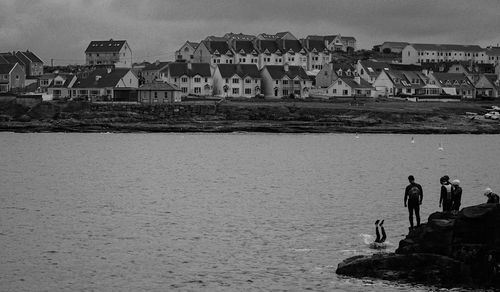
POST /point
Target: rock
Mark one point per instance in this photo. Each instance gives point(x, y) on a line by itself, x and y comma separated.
point(419, 268)
point(448, 250)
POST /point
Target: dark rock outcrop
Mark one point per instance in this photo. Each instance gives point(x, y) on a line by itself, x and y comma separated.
point(449, 250)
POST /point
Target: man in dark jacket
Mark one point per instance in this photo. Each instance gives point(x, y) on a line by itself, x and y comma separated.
point(413, 199)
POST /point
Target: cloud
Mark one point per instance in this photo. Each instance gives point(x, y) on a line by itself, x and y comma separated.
point(62, 29)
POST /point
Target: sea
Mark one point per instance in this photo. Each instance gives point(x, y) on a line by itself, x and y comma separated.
point(217, 212)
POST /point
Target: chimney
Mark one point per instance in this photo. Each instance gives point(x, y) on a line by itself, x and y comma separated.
point(357, 79)
point(285, 67)
point(190, 66)
point(97, 77)
point(238, 68)
point(109, 69)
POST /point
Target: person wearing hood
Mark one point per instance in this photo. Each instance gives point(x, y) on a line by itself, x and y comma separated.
point(492, 197)
point(456, 196)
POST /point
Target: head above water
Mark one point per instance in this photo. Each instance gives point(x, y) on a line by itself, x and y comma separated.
point(411, 178)
point(455, 182)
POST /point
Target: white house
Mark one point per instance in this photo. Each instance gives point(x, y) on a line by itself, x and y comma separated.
point(425, 53)
point(186, 52)
point(100, 83)
point(350, 86)
point(332, 72)
point(283, 81)
point(318, 54)
point(112, 52)
point(12, 77)
point(237, 80)
point(190, 78)
point(61, 85)
point(158, 93)
point(370, 70)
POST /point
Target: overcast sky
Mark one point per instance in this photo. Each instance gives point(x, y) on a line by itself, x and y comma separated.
point(62, 29)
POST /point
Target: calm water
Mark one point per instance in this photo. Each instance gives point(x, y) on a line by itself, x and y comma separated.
point(218, 212)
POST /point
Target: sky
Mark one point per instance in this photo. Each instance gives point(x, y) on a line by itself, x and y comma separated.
point(62, 29)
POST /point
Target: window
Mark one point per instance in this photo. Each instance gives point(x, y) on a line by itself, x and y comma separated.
point(175, 79)
point(197, 79)
point(206, 79)
point(345, 92)
point(285, 92)
point(296, 82)
point(248, 80)
point(285, 82)
point(227, 80)
point(184, 89)
point(165, 95)
point(248, 91)
point(277, 82)
point(236, 91)
point(156, 94)
point(184, 79)
point(236, 80)
point(197, 90)
point(94, 92)
point(340, 82)
point(334, 90)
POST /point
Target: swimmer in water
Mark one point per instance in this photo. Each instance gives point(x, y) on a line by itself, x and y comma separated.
point(384, 236)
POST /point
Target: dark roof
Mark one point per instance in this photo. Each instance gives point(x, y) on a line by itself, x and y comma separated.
point(155, 66)
point(179, 69)
point(447, 47)
point(217, 46)
point(193, 44)
point(247, 47)
point(159, 86)
point(348, 38)
point(373, 68)
point(106, 79)
point(11, 59)
point(105, 46)
point(288, 45)
point(493, 51)
point(269, 45)
point(353, 84)
point(450, 76)
point(492, 78)
point(6, 68)
point(242, 70)
point(278, 72)
point(315, 44)
point(395, 44)
point(31, 57)
point(67, 81)
point(3, 61)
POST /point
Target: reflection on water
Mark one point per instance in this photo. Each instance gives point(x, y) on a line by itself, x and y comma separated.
point(224, 212)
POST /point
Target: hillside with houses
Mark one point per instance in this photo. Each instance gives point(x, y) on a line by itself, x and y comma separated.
point(261, 69)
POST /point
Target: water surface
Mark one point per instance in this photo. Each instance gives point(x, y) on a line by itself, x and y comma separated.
point(215, 212)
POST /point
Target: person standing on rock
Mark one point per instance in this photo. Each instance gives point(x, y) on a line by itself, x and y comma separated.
point(445, 198)
point(492, 197)
point(456, 196)
point(413, 199)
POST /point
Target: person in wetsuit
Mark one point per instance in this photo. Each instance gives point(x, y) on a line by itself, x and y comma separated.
point(456, 196)
point(413, 199)
point(379, 239)
point(445, 197)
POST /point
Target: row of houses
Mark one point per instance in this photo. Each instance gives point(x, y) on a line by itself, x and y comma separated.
point(310, 53)
point(432, 53)
point(370, 78)
point(225, 80)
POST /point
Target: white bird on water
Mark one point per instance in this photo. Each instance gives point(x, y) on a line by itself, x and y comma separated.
point(440, 148)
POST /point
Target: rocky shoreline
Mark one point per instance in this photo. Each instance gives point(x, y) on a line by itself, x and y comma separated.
point(265, 117)
point(460, 250)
